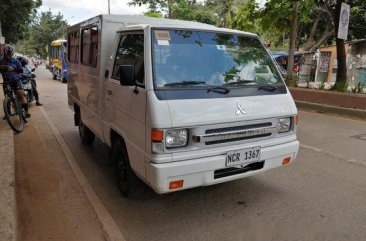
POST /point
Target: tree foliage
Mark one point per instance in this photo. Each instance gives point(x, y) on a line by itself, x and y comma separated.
point(246, 17)
point(15, 16)
point(45, 28)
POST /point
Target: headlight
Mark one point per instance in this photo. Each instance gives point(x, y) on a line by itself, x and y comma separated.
point(176, 138)
point(284, 124)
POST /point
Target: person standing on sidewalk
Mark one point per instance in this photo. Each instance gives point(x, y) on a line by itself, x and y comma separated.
point(13, 75)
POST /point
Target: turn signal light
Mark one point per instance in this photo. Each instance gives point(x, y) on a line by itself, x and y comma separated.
point(157, 135)
point(176, 184)
point(286, 160)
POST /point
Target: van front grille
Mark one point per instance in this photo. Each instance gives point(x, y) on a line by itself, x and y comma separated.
point(235, 133)
point(236, 139)
point(237, 128)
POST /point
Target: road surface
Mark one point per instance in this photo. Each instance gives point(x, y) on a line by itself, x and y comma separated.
point(322, 196)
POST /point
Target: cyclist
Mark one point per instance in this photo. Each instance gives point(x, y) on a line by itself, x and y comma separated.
point(27, 70)
point(13, 75)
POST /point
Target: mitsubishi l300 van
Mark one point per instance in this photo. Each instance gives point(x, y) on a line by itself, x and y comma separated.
point(181, 104)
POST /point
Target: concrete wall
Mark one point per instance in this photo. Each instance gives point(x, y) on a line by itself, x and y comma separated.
point(356, 62)
point(332, 63)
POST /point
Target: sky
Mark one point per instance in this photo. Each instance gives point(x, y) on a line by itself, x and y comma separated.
point(75, 11)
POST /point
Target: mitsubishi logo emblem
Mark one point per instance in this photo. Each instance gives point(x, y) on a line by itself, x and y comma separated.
point(240, 110)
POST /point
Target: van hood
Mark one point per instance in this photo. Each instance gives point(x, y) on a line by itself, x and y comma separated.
point(193, 112)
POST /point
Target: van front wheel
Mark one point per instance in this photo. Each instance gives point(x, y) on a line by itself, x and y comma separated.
point(86, 135)
point(128, 183)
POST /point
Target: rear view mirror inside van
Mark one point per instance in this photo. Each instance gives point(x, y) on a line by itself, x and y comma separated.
point(127, 75)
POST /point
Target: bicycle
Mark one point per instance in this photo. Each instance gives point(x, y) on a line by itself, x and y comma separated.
point(14, 113)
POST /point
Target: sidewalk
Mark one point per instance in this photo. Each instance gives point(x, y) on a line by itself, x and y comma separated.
point(43, 193)
point(51, 203)
point(353, 105)
point(8, 214)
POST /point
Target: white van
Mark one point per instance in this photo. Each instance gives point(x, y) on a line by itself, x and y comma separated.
point(181, 104)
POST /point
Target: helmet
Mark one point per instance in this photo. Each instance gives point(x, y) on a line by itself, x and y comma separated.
point(8, 49)
point(22, 60)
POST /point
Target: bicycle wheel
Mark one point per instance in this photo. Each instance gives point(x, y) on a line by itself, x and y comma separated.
point(13, 114)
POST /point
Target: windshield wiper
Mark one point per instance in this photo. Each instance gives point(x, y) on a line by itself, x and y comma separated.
point(218, 89)
point(186, 83)
point(240, 82)
point(267, 87)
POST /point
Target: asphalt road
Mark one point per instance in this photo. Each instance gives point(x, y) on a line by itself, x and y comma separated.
point(322, 196)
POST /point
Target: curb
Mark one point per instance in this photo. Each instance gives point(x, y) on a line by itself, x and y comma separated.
point(8, 210)
point(331, 109)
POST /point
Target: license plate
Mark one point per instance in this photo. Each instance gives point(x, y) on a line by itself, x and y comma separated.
point(243, 156)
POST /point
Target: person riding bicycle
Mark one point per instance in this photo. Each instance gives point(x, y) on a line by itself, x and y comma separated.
point(13, 75)
point(27, 70)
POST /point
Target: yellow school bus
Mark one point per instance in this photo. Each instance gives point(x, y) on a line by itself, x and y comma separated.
point(57, 58)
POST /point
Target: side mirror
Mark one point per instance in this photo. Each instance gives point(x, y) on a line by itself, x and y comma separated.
point(127, 75)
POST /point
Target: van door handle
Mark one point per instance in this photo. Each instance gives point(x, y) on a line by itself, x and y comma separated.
point(109, 92)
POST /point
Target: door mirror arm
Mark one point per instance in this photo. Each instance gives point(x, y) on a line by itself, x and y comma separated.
point(136, 91)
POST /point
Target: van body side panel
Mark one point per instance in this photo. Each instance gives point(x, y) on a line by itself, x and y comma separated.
point(109, 42)
point(87, 83)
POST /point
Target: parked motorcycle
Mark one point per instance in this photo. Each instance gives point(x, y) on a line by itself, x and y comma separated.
point(28, 81)
point(27, 86)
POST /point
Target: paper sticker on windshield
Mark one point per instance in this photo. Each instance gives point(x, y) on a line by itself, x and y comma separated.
point(163, 42)
point(162, 35)
point(221, 47)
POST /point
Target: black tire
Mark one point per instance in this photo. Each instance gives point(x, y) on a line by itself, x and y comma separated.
point(86, 135)
point(54, 77)
point(128, 183)
point(64, 80)
point(13, 114)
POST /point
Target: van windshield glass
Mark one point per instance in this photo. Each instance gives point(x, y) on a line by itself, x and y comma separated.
point(210, 59)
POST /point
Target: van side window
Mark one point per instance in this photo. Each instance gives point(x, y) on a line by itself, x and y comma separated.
point(130, 52)
point(89, 46)
point(73, 49)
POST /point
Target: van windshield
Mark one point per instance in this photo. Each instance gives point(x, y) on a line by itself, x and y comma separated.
point(186, 59)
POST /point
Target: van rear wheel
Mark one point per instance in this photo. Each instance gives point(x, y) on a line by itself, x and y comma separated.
point(86, 135)
point(127, 181)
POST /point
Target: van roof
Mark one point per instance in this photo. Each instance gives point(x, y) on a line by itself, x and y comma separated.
point(140, 19)
point(133, 20)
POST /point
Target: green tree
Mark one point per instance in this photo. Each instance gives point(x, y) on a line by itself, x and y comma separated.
point(246, 17)
point(179, 9)
point(45, 28)
point(357, 25)
point(153, 14)
point(156, 5)
point(15, 16)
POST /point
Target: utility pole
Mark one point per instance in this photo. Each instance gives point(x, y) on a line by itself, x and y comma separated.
point(109, 6)
point(291, 51)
